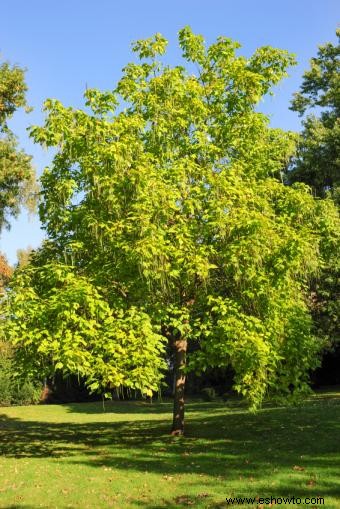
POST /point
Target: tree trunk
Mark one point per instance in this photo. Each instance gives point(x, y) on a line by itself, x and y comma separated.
point(180, 348)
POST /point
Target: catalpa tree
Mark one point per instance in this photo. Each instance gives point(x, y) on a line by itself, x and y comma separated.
point(168, 224)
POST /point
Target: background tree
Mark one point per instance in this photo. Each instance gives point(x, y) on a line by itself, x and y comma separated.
point(317, 163)
point(17, 187)
point(17, 178)
point(5, 273)
point(24, 255)
point(168, 222)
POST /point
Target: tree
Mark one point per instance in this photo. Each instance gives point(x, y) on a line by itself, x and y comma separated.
point(17, 187)
point(5, 273)
point(168, 223)
point(317, 163)
point(17, 179)
point(23, 256)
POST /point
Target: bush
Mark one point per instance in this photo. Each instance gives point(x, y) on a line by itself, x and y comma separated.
point(15, 391)
point(208, 394)
point(230, 395)
point(5, 382)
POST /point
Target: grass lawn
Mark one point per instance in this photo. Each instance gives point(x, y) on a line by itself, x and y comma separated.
point(78, 456)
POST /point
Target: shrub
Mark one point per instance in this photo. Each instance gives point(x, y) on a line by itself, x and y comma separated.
point(5, 382)
point(15, 391)
point(208, 394)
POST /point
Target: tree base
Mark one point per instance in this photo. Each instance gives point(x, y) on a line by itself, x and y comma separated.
point(177, 432)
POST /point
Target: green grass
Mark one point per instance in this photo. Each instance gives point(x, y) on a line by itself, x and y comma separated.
point(77, 456)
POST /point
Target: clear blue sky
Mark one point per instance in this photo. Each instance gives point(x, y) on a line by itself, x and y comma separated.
point(68, 45)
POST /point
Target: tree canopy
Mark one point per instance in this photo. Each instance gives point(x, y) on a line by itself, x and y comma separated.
point(17, 178)
point(168, 223)
point(318, 157)
point(317, 163)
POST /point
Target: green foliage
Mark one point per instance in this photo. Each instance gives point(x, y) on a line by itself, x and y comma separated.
point(317, 164)
point(70, 327)
point(17, 179)
point(17, 187)
point(5, 381)
point(12, 91)
point(15, 390)
point(317, 160)
point(168, 215)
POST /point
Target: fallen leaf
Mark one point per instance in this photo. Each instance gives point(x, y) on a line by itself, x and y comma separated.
point(311, 482)
point(184, 500)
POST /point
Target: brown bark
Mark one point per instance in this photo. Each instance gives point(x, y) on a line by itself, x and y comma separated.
point(180, 349)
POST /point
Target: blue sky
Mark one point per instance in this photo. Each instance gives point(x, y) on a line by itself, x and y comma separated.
point(68, 45)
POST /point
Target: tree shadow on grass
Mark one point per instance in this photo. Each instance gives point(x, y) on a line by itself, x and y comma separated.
point(219, 445)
